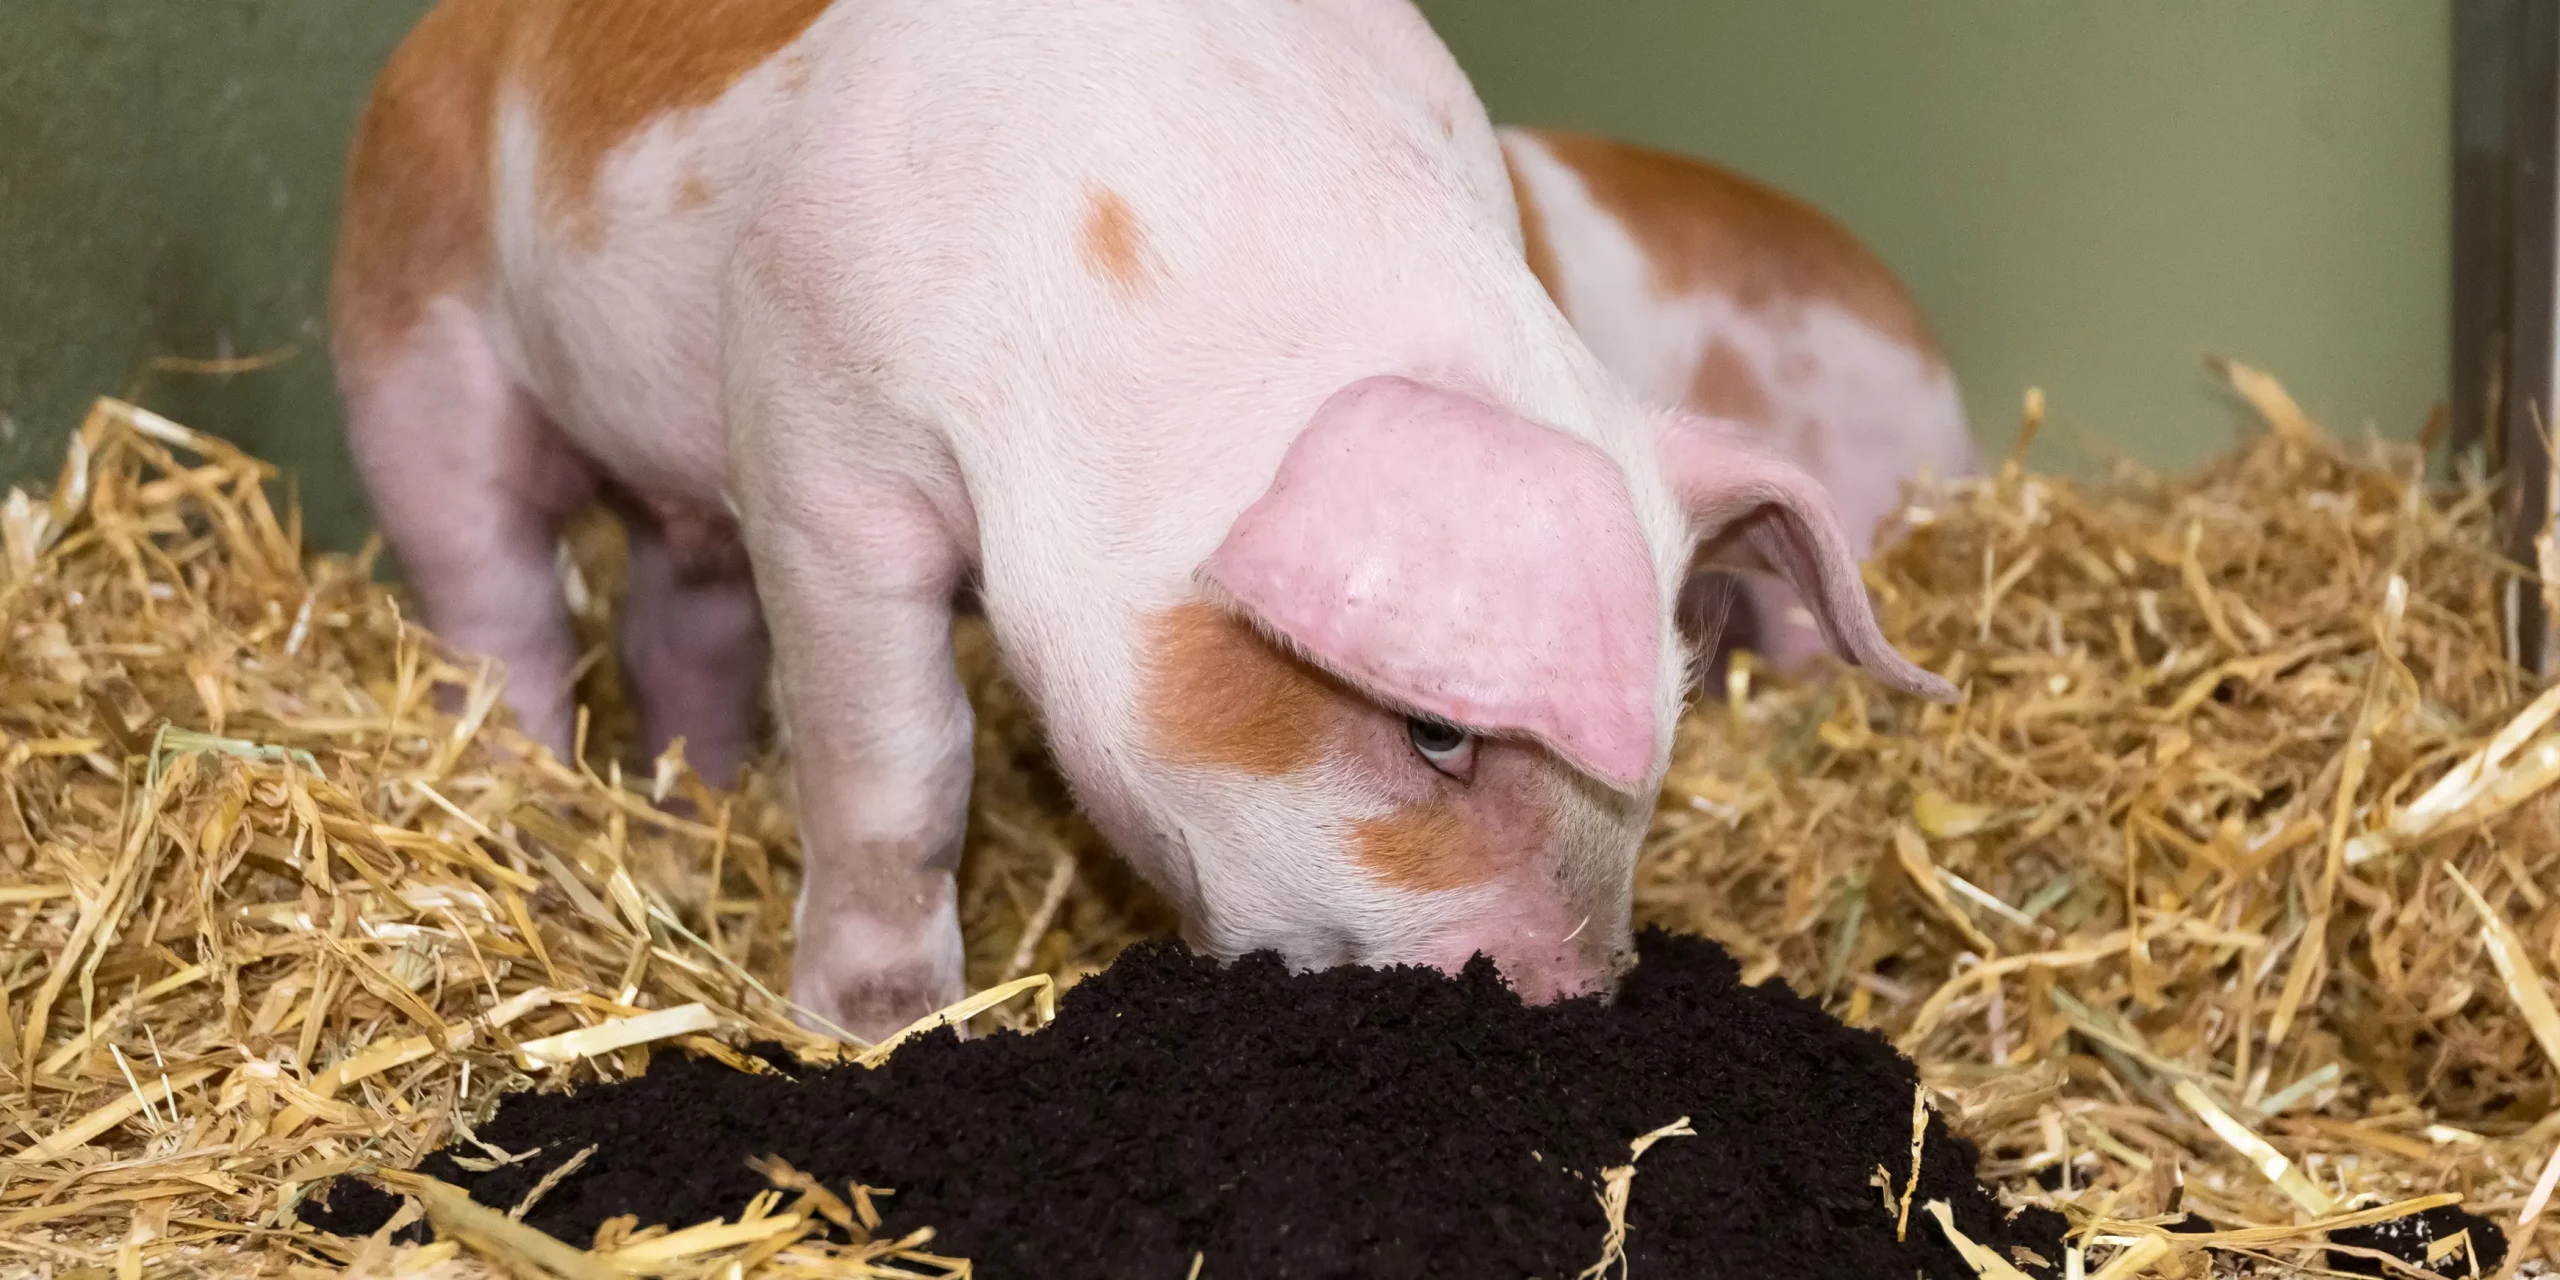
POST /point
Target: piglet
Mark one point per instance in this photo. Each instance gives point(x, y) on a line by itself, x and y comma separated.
point(1702, 288)
point(1195, 335)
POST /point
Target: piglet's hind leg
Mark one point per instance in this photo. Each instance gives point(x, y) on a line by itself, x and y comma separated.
point(693, 650)
point(469, 483)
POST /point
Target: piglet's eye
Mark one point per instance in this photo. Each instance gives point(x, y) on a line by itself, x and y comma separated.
point(1446, 747)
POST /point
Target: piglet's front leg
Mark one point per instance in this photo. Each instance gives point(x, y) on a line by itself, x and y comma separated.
point(857, 587)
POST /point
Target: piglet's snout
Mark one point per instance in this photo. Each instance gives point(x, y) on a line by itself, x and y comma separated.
point(1541, 964)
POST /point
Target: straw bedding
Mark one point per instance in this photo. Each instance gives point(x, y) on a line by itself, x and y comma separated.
point(2223, 899)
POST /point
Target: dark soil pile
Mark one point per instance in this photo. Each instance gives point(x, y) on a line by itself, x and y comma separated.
point(1355, 1122)
point(2409, 1238)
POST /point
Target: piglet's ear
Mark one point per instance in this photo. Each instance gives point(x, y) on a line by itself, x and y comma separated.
point(1453, 559)
point(1756, 512)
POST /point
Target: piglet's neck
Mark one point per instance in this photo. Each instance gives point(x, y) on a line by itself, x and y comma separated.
point(1074, 649)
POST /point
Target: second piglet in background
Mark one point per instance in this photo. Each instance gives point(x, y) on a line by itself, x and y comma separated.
point(1704, 289)
point(1197, 332)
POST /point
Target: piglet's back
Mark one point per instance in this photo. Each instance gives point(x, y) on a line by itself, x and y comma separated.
point(584, 75)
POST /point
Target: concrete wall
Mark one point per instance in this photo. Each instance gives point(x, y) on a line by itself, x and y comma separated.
point(2087, 194)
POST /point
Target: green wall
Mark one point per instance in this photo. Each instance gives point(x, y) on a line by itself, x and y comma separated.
point(168, 187)
point(2090, 195)
point(2087, 194)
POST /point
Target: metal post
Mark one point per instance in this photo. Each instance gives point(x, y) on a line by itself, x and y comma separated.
point(2484, 41)
point(2506, 162)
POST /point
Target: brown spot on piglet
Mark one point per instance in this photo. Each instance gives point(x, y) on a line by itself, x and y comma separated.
point(1425, 848)
point(1217, 693)
point(1114, 246)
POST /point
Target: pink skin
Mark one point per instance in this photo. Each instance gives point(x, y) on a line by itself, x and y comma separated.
point(1050, 296)
point(1562, 966)
point(1846, 384)
point(694, 653)
point(1452, 558)
point(1468, 562)
point(1766, 515)
point(1552, 927)
point(469, 483)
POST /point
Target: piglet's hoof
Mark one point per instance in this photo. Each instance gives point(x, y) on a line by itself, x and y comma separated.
point(872, 996)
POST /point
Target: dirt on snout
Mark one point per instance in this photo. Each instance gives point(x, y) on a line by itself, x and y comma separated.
point(1347, 1123)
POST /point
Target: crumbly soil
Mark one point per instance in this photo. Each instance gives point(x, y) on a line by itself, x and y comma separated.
point(1351, 1122)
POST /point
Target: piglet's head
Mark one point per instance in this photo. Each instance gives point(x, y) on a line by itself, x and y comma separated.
point(1420, 702)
